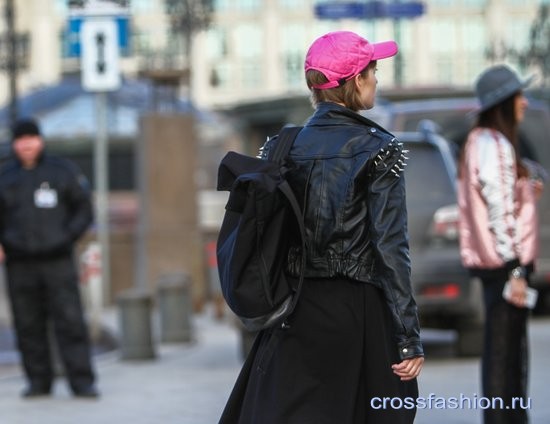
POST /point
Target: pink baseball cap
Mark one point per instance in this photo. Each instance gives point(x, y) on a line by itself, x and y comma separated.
point(341, 55)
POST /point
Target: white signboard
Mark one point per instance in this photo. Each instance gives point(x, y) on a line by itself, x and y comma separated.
point(99, 57)
point(99, 8)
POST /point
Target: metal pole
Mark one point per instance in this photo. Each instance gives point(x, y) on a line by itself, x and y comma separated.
point(398, 60)
point(11, 60)
point(101, 171)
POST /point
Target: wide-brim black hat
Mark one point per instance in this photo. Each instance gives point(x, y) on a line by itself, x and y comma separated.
point(496, 84)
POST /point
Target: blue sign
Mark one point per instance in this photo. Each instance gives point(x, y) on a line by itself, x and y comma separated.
point(408, 9)
point(72, 35)
point(369, 10)
point(339, 10)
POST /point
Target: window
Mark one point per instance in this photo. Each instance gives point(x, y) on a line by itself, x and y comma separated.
point(141, 6)
point(221, 5)
point(221, 75)
point(61, 6)
point(293, 47)
point(248, 51)
point(475, 3)
point(251, 73)
point(517, 35)
point(217, 43)
point(293, 4)
point(247, 5)
point(248, 40)
point(443, 46)
point(402, 73)
point(237, 5)
point(440, 3)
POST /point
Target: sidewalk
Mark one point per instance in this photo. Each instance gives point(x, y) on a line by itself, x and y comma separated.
point(189, 383)
point(186, 383)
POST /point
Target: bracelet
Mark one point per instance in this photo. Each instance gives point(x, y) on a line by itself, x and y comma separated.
point(517, 273)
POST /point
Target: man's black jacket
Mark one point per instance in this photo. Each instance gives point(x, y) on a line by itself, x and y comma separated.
point(43, 210)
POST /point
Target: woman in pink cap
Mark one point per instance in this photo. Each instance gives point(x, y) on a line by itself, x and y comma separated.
point(351, 351)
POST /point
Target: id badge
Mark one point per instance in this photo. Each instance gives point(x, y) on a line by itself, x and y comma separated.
point(45, 197)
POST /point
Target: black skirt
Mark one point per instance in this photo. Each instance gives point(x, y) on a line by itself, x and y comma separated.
point(333, 365)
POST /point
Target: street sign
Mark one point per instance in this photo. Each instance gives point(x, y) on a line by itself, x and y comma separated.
point(83, 10)
point(71, 35)
point(99, 59)
point(409, 9)
point(340, 10)
point(99, 7)
point(369, 10)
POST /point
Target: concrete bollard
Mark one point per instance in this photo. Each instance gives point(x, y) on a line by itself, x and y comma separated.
point(135, 324)
point(175, 307)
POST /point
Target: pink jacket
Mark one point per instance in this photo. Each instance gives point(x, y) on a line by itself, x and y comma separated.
point(498, 217)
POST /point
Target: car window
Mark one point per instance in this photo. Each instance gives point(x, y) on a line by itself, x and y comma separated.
point(534, 136)
point(454, 125)
point(427, 180)
point(453, 119)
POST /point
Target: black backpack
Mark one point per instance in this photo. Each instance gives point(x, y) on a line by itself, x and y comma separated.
point(253, 242)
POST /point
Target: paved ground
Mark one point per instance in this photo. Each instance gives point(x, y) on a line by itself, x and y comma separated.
point(186, 383)
point(189, 383)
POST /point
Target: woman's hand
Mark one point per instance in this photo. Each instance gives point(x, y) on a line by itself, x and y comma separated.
point(408, 369)
point(518, 292)
point(538, 188)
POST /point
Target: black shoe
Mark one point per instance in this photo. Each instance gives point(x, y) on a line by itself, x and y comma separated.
point(35, 391)
point(86, 392)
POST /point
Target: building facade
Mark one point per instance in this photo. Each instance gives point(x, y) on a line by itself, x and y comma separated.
point(255, 48)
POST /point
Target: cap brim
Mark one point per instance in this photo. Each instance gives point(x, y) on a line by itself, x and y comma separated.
point(384, 49)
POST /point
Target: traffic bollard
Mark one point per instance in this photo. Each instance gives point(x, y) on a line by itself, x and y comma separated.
point(175, 307)
point(135, 324)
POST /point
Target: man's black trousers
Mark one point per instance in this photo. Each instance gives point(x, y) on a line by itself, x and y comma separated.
point(45, 292)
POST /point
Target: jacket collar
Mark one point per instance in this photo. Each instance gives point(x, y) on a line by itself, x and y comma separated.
point(328, 113)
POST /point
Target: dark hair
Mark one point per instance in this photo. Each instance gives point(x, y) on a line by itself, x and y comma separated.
point(345, 94)
point(502, 117)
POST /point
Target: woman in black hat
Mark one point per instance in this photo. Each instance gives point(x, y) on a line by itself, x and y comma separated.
point(498, 237)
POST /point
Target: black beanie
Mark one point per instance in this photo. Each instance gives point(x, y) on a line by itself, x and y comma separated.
point(25, 127)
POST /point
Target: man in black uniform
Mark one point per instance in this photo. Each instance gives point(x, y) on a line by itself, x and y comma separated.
point(45, 207)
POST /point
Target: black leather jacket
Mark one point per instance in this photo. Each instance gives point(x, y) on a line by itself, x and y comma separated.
point(349, 179)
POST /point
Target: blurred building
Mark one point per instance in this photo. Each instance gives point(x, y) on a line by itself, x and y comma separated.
point(255, 48)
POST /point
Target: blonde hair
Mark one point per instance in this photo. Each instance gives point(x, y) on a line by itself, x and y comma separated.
point(346, 94)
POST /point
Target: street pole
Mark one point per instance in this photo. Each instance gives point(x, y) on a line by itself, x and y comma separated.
point(11, 61)
point(101, 172)
point(398, 60)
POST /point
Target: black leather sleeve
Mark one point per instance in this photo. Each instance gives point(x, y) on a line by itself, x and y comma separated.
point(388, 213)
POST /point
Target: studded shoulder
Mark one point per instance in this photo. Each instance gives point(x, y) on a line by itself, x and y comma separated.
point(392, 156)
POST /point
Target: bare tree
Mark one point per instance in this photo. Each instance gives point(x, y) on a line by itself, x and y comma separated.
point(187, 17)
point(536, 54)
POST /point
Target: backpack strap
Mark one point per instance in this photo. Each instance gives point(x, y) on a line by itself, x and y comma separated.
point(287, 191)
point(283, 144)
